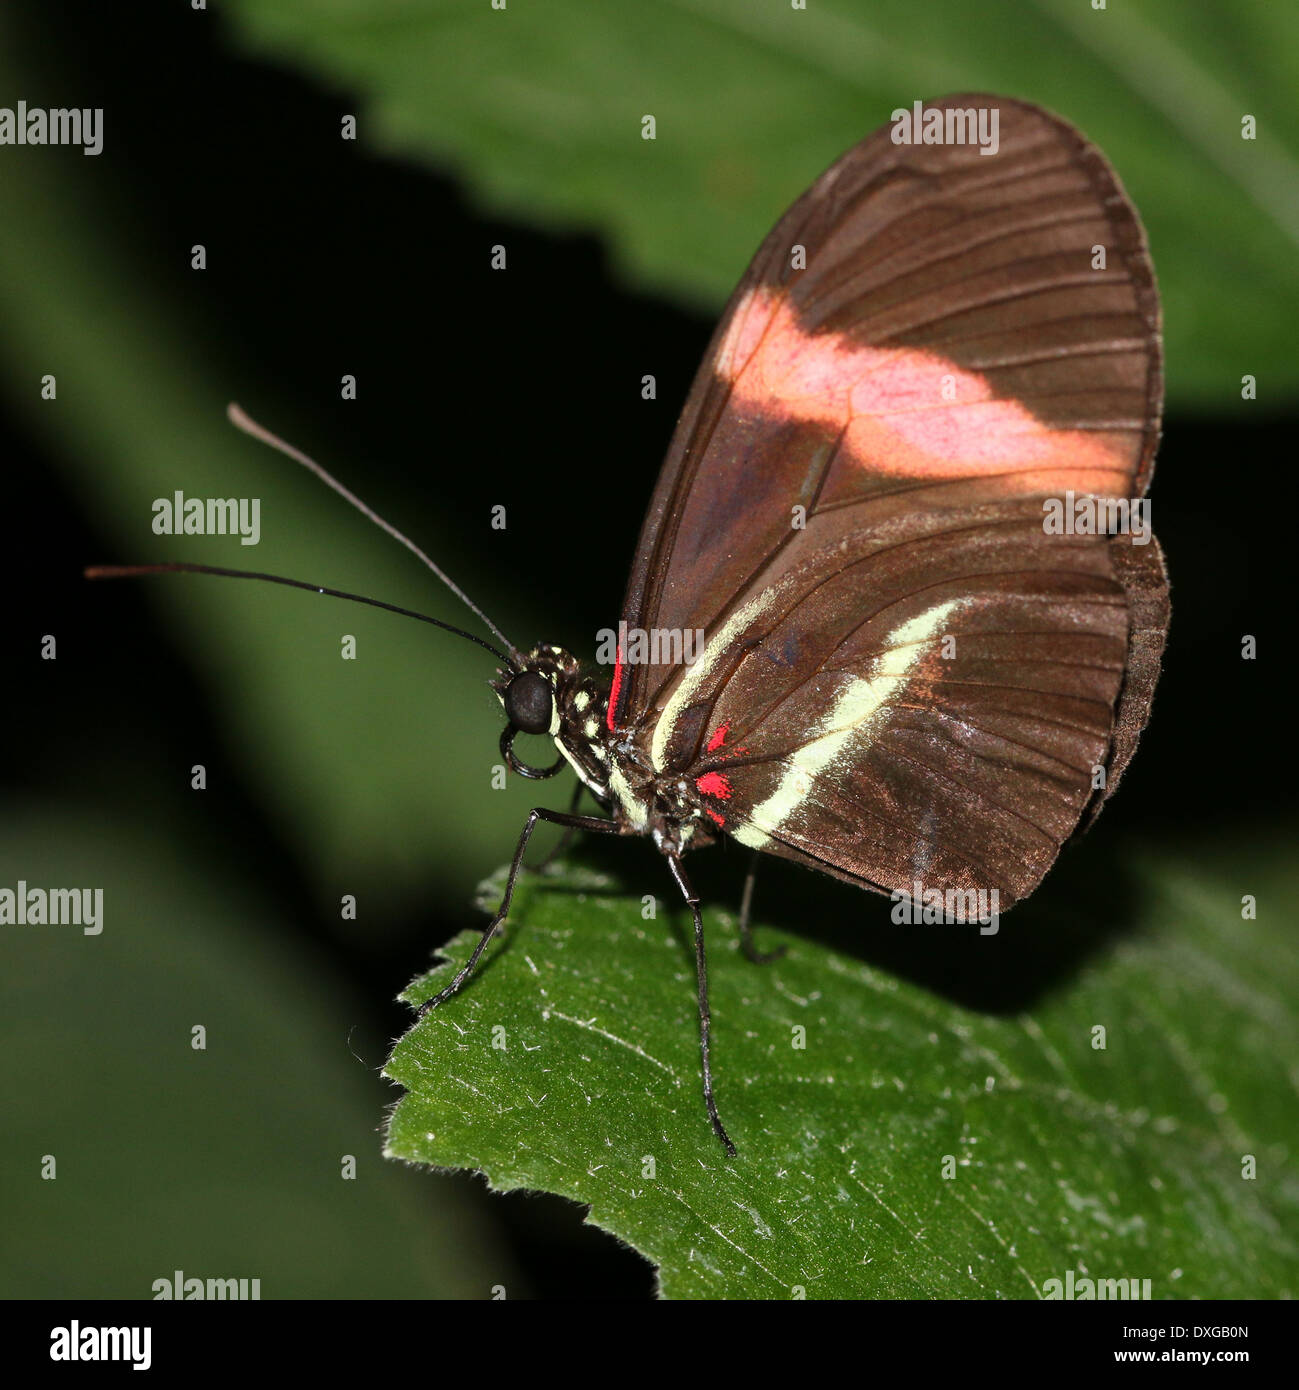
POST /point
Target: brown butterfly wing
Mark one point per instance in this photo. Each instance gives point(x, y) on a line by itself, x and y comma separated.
point(851, 511)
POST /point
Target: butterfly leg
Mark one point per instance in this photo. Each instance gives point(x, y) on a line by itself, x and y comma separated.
point(566, 838)
point(570, 821)
point(746, 931)
point(705, 1020)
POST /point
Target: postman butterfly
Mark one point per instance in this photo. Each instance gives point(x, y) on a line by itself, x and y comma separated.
point(904, 676)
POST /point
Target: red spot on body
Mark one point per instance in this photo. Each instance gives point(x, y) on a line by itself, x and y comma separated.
point(905, 412)
point(715, 784)
point(616, 690)
point(721, 820)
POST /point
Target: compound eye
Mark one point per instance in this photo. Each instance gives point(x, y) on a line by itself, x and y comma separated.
point(529, 703)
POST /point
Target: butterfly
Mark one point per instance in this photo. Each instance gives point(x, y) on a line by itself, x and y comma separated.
point(884, 618)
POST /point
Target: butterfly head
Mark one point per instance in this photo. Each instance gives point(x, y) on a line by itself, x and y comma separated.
point(532, 696)
point(529, 701)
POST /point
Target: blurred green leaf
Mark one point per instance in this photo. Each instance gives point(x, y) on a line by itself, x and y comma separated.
point(340, 752)
point(224, 1162)
point(570, 1065)
point(538, 108)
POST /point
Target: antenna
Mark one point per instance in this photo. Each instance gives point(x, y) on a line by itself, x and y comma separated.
point(129, 571)
point(250, 426)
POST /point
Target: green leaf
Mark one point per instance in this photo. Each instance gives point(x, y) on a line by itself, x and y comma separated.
point(571, 1062)
point(538, 108)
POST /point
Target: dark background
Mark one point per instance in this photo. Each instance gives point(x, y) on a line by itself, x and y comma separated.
point(481, 388)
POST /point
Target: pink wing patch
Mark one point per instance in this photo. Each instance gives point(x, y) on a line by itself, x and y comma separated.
point(905, 412)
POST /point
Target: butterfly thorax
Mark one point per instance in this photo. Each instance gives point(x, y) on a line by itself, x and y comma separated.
point(610, 763)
